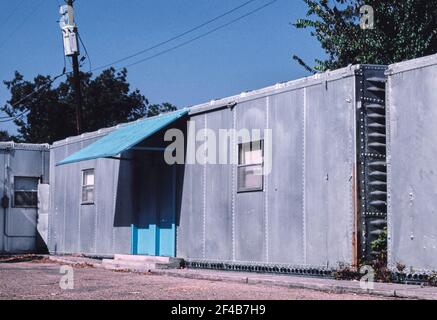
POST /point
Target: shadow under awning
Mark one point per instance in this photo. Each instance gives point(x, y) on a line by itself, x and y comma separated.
point(124, 138)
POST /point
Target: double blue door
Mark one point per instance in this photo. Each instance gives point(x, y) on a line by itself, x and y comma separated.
point(154, 234)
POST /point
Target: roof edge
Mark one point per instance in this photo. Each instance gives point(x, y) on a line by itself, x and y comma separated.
point(413, 64)
point(281, 88)
point(24, 146)
point(103, 132)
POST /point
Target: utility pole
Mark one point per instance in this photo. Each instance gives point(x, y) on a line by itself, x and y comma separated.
point(71, 49)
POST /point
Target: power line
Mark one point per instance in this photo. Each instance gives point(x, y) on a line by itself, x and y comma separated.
point(12, 13)
point(175, 37)
point(147, 58)
point(86, 51)
point(16, 117)
point(38, 6)
point(200, 36)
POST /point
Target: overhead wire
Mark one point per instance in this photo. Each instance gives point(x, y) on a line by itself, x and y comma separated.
point(13, 118)
point(152, 56)
point(11, 34)
point(86, 51)
point(14, 10)
point(155, 46)
point(199, 36)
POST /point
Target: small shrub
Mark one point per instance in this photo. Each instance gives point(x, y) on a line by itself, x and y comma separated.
point(346, 273)
point(432, 279)
point(400, 267)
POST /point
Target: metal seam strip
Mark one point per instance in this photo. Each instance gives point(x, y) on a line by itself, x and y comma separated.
point(56, 217)
point(233, 191)
point(50, 209)
point(204, 189)
point(177, 228)
point(65, 207)
point(390, 262)
point(80, 211)
point(96, 221)
point(266, 193)
point(114, 199)
point(352, 152)
point(304, 245)
point(363, 160)
point(7, 182)
point(42, 165)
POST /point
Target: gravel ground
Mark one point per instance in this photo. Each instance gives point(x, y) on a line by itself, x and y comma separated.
point(40, 280)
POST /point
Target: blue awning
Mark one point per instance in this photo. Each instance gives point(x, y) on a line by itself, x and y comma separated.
point(124, 138)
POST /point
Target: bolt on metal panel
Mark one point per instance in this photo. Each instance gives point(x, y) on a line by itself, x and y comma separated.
point(329, 164)
point(190, 230)
point(285, 200)
point(250, 228)
point(412, 168)
point(218, 209)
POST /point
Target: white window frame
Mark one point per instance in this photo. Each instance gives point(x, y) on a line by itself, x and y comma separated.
point(244, 165)
point(88, 187)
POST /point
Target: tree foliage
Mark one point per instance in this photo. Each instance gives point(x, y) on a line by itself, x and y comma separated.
point(49, 114)
point(4, 136)
point(404, 29)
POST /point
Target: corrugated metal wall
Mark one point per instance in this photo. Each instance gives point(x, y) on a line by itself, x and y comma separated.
point(20, 160)
point(412, 150)
point(103, 228)
point(305, 215)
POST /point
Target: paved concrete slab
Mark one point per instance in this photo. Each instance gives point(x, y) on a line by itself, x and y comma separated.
point(324, 285)
point(41, 280)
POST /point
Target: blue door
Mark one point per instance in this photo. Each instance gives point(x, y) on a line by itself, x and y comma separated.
point(155, 231)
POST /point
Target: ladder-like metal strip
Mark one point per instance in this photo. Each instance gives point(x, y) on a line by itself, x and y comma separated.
point(372, 157)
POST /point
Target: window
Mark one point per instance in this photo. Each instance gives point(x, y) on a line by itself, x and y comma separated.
point(88, 186)
point(251, 166)
point(25, 192)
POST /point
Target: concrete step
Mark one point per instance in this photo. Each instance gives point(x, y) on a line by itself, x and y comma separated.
point(130, 266)
point(149, 259)
point(141, 263)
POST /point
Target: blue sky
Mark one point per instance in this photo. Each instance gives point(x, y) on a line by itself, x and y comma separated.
point(252, 53)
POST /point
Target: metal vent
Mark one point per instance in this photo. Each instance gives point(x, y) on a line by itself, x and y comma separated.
point(372, 157)
point(260, 268)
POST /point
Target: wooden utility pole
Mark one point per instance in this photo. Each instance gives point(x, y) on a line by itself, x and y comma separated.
point(76, 72)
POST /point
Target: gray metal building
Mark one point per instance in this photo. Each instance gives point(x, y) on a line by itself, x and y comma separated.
point(24, 174)
point(412, 164)
point(335, 179)
point(320, 207)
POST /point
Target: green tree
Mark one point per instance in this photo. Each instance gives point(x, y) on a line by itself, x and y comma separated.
point(404, 29)
point(44, 114)
point(4, 136)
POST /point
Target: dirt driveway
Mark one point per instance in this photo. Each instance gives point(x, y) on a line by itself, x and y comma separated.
point(41, 280)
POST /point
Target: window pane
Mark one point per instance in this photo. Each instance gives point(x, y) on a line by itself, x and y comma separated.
point(250, 178)
point(88, 178)
point(256, 157)
point(25, 199)
point(88, 194)
point(250, 153)
point(25, 184)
